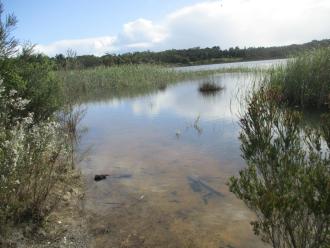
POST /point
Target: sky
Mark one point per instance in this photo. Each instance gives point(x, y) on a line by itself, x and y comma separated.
point(117, 26)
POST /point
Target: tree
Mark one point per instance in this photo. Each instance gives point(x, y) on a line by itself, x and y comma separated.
point(8, 44)
point(287, 178)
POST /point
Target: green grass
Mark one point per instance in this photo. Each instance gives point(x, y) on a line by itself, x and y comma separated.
point(305, 80)
point(127, 80)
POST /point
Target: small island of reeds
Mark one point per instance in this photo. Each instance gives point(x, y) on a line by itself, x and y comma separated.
point(210, 87)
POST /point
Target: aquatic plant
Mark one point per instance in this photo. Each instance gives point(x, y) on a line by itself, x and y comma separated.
point(126, 80)
point(122, 80)
point(207, 87)
point(286, 181)
point(305, 80)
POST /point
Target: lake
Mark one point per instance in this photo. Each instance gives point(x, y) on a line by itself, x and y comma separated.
point(169, 155)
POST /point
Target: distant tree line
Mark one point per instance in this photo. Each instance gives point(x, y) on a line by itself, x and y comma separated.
point(189, 56)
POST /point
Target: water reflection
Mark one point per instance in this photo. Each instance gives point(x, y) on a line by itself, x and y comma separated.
point(180, 147)
point(185, 101)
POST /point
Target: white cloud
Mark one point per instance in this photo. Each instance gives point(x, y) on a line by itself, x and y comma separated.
point(142, 33)
point(97, 46)
point(225, 23)
point(249, 23)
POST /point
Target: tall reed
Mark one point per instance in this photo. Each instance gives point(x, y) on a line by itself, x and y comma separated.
point(305, 80)
point(127, 80)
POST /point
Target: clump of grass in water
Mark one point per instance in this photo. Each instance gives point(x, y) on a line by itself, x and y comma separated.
point(305, 80)
point(207, 87)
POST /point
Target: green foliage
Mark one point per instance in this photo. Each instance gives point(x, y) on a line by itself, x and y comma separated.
point(36, 147)
point(287, 178)
point(33, 77)
point(30, 74)
point(41, 86)
point(305, 81)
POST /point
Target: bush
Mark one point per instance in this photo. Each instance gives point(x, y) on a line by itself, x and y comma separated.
point(28, 73)
point(35, 162)
point(32, 76)
point(305, 80)
point(287, 179)
point(36, 142)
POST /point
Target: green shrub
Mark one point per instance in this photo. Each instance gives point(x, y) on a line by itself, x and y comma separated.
point(287, 178)
point(32, 76)
point(28, 73)
point(36, 142)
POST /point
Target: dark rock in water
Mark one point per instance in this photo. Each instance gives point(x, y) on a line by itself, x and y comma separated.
point(100, 177)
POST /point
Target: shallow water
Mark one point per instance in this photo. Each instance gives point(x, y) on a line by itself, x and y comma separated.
point(179, 147)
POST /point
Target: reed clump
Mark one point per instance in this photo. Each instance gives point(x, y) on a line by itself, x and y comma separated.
point(121, 81)
point(127, 80)
point(305, 80)
point(208, 87)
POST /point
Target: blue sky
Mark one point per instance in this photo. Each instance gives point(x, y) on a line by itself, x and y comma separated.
point(45, 21)
point(99, 26)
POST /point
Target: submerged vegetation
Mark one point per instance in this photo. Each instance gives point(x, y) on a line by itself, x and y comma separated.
point(286, 181)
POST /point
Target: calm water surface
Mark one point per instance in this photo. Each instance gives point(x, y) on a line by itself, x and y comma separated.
point(246, 64)
point(178, 148)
